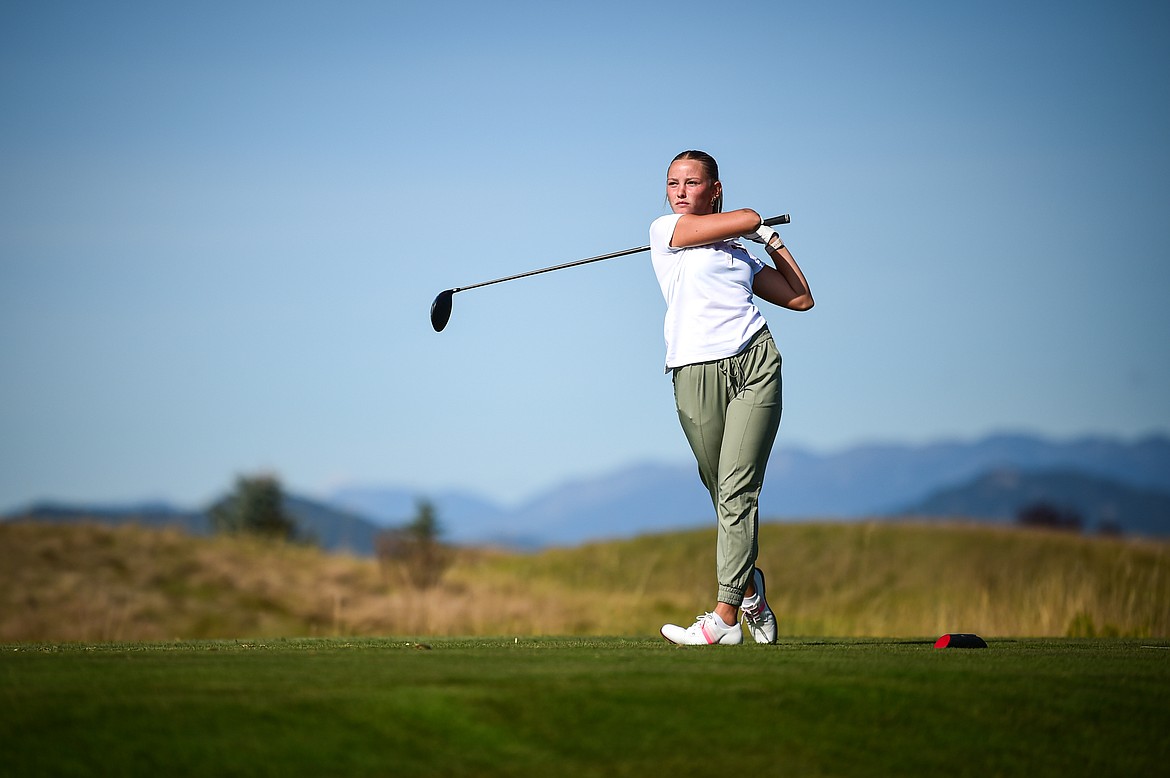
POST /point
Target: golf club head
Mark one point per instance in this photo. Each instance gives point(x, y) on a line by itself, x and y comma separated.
point(441, 310)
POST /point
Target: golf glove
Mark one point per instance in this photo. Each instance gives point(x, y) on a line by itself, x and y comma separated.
point(764, 234)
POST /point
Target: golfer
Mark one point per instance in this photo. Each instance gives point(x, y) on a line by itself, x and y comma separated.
point(726, 373)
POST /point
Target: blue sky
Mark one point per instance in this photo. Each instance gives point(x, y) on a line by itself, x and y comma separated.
point(222, 226)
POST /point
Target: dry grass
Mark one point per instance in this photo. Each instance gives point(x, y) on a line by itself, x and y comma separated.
point(906, 579)
point(97, 583)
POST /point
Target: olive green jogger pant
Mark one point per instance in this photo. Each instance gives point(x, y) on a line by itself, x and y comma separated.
point(730, 412)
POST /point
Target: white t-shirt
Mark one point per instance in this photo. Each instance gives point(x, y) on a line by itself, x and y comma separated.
point(710, 312)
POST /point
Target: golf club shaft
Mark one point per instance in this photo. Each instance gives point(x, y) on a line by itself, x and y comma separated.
point(783, 219)
point(614, 255)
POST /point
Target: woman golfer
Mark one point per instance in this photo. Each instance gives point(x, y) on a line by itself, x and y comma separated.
point(726, 370)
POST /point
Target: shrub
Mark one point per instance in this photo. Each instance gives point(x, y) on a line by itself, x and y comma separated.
point(1047, 516)
point(257, 507)
point(413, 553)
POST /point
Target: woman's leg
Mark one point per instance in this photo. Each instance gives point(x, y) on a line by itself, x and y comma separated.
point(751, 422)
point(730, 412)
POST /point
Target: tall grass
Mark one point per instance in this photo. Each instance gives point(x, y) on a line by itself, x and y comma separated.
point(97, 583)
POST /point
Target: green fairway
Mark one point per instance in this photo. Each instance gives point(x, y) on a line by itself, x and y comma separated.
point(585, 706)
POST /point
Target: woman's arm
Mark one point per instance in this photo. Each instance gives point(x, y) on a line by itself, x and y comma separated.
point(785, 286)
point(698, 230)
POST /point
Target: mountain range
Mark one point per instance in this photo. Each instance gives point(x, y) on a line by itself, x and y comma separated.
point(861, 481)
point(1106, 481)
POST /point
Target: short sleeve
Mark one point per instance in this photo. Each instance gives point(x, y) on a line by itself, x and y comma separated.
point(662, 230)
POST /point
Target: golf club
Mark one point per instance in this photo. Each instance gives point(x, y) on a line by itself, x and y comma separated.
point(441, 307)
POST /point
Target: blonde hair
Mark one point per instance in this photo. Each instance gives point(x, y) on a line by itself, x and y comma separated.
point(710, 167)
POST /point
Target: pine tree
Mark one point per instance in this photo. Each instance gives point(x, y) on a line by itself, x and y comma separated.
point(256, 506)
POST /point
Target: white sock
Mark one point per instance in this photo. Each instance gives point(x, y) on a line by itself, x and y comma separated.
point(750, 602)
point(719, 622)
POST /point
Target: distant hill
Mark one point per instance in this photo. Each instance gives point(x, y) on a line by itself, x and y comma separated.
point(881, 479)
point(334, 529)
point(1104, 477)
point(477, 517)
point(862, 481)
point(153, 515)
point(1000, 495)
point(329, 527)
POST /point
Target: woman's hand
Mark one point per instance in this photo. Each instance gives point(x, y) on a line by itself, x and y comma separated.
point(766, 235)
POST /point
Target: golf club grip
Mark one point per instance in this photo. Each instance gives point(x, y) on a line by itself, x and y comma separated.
point(782, 219)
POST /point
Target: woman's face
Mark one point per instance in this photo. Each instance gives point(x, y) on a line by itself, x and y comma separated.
point(688, 189)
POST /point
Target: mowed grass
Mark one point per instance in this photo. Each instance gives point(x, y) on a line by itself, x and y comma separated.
point(585, 707)
point(113, 662)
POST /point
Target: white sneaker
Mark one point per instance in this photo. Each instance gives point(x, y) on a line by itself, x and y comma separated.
point(708, 629)
point(760, 620)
